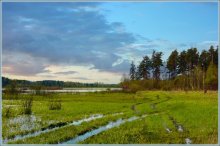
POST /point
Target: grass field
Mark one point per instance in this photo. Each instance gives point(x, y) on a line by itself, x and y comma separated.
point(160, 117)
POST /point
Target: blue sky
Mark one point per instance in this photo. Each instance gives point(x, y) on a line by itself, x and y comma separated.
point(89, 42)
point(173, 21)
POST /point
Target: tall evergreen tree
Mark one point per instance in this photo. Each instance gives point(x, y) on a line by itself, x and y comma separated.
point(211, 54)
point(172, 64)
point(204, 60)
point(192, 58)
point(144, 68)
point(132, 71)
point(182, 62)
point(215, 60)
point(156, 64)
point(137, 74)
point(192, 62)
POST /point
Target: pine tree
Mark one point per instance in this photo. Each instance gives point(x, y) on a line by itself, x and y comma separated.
point(138, 73)
point(144, 68)
point(215, 58)
point(204, 62)
point(192, 58)
point(192, 61)
point(156, 64)
point(132, 71)
point(182, 62)
point(172, 64)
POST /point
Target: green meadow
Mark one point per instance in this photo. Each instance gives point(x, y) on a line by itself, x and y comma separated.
point(172, 117)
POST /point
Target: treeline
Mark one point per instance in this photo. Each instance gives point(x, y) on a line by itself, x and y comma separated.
point(51, 84)
point(186, 70)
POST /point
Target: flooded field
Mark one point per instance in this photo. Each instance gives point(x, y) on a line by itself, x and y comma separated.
point(123, 118)
point(99, 130)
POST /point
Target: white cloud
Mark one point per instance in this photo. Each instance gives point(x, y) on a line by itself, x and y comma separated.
point(117, 62)
point(25, 19)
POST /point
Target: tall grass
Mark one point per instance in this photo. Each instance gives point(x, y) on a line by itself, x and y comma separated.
point(55, 105)
point(27, 105)
point(195, 111)
point(7, 112)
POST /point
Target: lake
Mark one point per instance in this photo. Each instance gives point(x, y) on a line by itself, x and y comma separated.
point(76, 90)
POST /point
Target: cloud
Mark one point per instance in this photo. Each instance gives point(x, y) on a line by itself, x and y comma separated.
point(22, 64)
point(66, 72)
point(62, 36)
point(81, 78)
point(37, 36)
point(205, 45)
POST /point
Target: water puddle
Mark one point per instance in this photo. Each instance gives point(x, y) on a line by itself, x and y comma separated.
point(168, 130)
point(99, 130)
point(23, 119)
point(188, 141)
point(23, 123)
point(50, 128)
point(180, 128)
point(93, 117)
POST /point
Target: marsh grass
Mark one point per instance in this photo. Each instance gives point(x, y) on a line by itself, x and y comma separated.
point(195, 111)
point(27, 105)
point(7, 113)
point(54, 103)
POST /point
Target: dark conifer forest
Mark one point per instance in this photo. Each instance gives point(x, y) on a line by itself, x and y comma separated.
point(185, 70)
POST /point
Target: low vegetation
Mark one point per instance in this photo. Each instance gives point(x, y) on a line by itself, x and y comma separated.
point(54, 104)
point(7, 112)
point(196, 112)
point(27, 105)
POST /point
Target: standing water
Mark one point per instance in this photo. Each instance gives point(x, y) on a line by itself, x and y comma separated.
point(75, 90)
point(18, 137)
point(99, 130)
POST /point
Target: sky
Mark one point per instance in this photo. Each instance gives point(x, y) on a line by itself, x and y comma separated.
point(96, 42)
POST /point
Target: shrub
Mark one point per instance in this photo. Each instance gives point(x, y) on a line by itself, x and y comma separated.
point(27, 105)
point(54, 105)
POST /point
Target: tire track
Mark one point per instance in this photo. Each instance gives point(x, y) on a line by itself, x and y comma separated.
point(53, 127)
point(180, 128)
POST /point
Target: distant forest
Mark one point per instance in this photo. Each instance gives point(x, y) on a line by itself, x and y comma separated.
point(186, 70)
point(51, 84)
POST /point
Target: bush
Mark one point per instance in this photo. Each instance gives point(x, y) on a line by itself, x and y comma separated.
point(27, 105)
point(54, 105)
